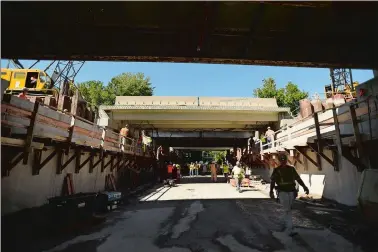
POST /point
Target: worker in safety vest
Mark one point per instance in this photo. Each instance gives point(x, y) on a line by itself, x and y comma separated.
point(191, 170)
point(238, 173)
point(226, 171)
point(196, 168)
point(285, 176)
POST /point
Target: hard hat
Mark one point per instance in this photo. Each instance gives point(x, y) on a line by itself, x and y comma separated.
point(237, 163)
point(268, 127)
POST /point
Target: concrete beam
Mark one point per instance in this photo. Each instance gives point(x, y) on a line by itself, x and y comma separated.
point(204, 134)
point(194, 116)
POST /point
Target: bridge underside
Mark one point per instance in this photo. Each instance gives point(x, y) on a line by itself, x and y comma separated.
point(325, 34)
point(201, 142)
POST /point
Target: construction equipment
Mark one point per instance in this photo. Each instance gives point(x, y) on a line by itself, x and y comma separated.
point(341, 85)
point(53, 86)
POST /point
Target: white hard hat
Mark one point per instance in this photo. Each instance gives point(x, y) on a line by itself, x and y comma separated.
point(237, 163)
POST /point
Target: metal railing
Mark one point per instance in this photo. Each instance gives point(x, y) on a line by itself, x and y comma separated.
point(363, 116)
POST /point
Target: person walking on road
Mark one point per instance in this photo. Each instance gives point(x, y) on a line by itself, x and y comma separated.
point(213, 171)
point(238, 173)
point(269, 134)
point(226, 172)
point(285, 176)
point(191, 170)
point(196, 168)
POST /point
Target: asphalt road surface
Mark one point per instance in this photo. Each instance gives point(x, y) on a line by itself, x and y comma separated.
point(204, 216)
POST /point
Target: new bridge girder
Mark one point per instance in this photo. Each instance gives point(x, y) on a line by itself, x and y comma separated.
point(326, 34)
point(200, 142)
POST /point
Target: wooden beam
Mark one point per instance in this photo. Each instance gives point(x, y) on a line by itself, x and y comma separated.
point(319, 142)
point(300, 150)
point(338, 141)
point(91, 161)
point(37, 165)
point(110, 162)
point(81, 165)
point(119, 159)
point(30, 131)
point(356, 131)
point(78, 160)
point(10, 162)
point(296, 158)
point(67, 162)
point(321, 154)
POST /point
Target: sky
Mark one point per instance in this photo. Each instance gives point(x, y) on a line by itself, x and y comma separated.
point(185, 79)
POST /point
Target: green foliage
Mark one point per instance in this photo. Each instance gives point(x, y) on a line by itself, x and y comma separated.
point(92, 92)
point(126, 84)
point(288, 96)
point(218, 156)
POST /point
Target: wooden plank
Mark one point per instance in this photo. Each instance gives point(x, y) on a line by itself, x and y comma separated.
point(14, 162)
point(78, 158)
point(321, 154)
point(356, 131)
point(91, 161)
point(14, 124)
point(45, 131)
point(53, 123)
point(88, 126)
point(92, 134)
point(19, 143)
point(30, 133)
point(319, 142)
point(9, 109)
point(49, 113)
point(21, 103)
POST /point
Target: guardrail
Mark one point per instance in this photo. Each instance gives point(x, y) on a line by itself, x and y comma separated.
point(360, 115)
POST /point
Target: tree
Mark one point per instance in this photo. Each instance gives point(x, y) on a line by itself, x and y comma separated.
point(126, 84)
point(92, 92)
point(218, 156)
point(288, 96)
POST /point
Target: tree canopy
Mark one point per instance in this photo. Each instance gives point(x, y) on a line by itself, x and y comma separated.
point(125, 84)
point(218, 156)
point(289, 96)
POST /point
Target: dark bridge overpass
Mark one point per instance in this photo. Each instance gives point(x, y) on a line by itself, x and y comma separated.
point(314, 34)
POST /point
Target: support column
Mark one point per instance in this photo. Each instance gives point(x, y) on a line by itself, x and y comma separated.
point(375, 73)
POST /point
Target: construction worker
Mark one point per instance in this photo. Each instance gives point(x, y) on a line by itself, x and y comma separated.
point(269, 134)
point(23, 94)
point(238, 174)
point(285, 176)
point(196, 168)
point(213, 171)
point(226, 171)
point(191, 169)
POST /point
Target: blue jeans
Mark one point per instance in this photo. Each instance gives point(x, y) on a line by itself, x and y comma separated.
point(191, 172)
point(238, 184)
point(196, 172)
